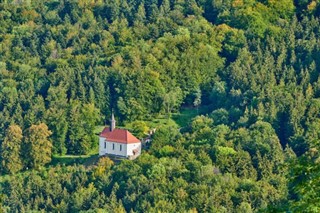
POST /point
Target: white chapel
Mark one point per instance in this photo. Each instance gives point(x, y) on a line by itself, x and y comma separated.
point(118, 142)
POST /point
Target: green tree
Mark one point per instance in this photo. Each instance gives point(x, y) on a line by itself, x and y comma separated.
point(56, 117)
point(305, 182)
point(77, 140)
point(11, 150)
point(90, 116)
point(104, 166)
point(83, 119)
point(39, 147)
point(172, 100)
point(163, 136)
point(139, 128)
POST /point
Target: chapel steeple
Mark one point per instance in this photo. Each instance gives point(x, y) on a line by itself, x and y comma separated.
point(112, 122)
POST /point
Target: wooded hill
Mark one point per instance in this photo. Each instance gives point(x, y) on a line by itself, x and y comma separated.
point(254, 65)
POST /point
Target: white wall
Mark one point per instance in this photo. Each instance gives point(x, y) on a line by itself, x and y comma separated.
point(102, 151)
point(133, 146)
point(127, 149)
point(110, 149)
point(116, 150)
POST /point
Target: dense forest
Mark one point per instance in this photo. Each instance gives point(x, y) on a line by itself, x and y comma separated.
point(250, 66)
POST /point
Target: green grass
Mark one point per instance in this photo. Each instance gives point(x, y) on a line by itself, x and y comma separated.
point(177, 120)
point(162, 120)
point(184, 117)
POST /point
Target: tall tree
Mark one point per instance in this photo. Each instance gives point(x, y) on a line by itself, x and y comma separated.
point(90, 114)
point(172, 100)
point(77, 141)
point(38, 145)
point(83, 119)
point(11, 150)
point(57, 119)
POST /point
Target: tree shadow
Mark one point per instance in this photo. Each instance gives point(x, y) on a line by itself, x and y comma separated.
point(68, 160)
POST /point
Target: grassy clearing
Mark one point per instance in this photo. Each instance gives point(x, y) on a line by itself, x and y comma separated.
point(184, 117)
point(177, 120)
point(162, 120)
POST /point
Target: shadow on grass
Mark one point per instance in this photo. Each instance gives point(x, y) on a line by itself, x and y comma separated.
point(86, 160)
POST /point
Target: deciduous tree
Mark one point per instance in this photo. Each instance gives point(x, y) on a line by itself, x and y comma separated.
point(11, 150)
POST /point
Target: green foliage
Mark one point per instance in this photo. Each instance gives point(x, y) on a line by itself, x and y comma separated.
point(305, 178)
point(56, 117)
point(167, 150)
point(252, 66)
point(225, 151)
point(172, 100)
point(103, 166)
point(38, 147)
point(11, 161)
point(200, 122)
point(163, 136)
point(83, 119)
point(138, 128)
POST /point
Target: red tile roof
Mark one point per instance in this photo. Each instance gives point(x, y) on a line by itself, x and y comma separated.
point(118, 135)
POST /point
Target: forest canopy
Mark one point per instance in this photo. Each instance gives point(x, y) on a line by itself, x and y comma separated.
point(249, 69)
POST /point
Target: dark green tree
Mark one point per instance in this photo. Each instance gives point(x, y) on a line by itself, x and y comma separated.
point(38, 146)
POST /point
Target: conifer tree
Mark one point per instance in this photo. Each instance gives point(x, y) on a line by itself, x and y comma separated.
point(38, 146)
